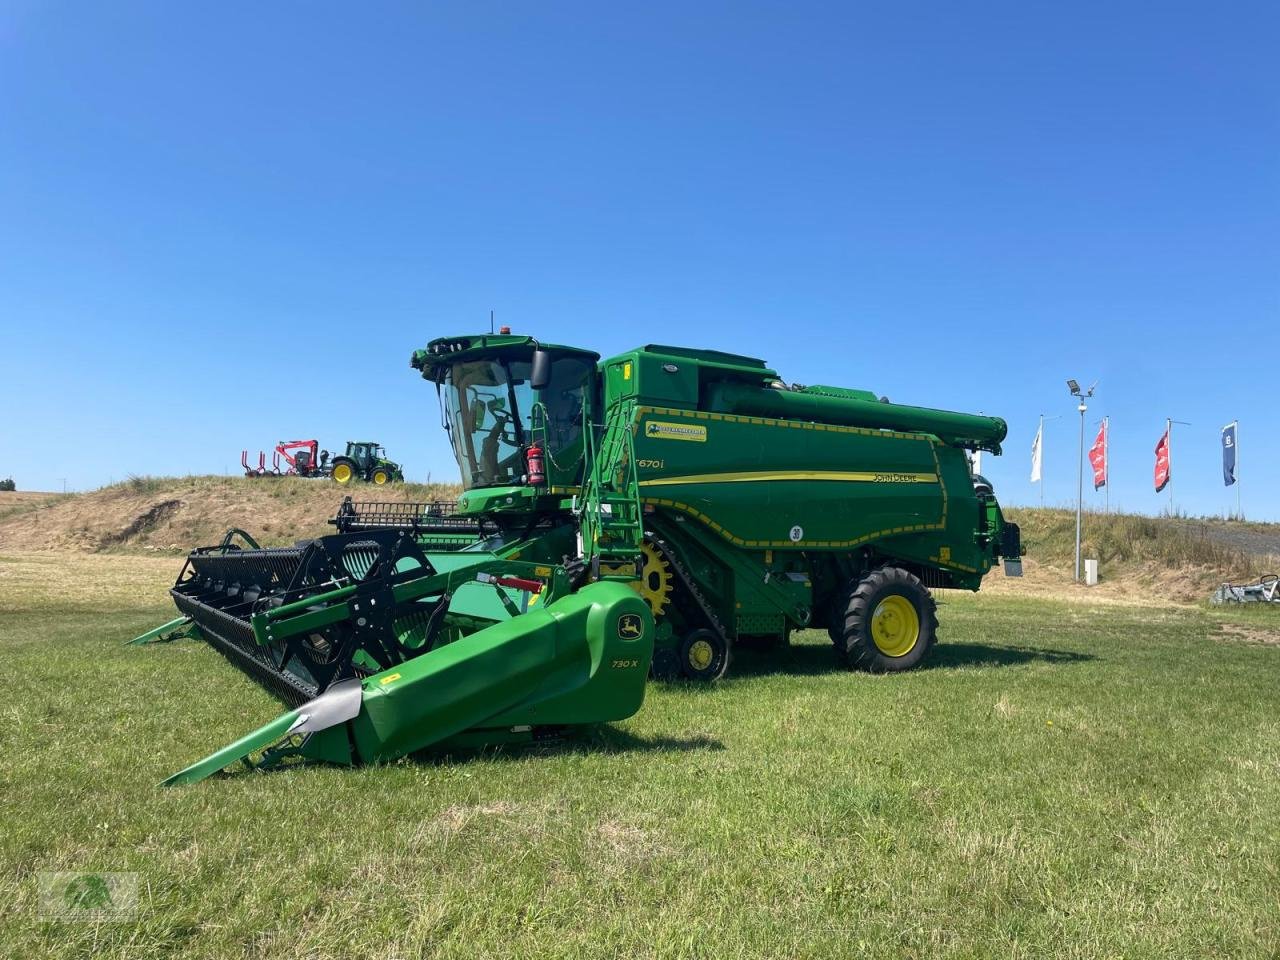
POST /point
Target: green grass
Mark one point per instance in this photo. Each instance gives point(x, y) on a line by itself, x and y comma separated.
point(1063, 781)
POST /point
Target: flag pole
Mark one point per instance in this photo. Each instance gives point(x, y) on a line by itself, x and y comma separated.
point(1106, 458)
point(1236, 433)
point(1169, 422)
point(1040, 434)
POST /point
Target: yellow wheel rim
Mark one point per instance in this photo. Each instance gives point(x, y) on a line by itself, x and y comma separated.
point(655, 580)
point(380, 477)
point(701, 653)
point(655, 583)
point(342, 473)
point(895, 626)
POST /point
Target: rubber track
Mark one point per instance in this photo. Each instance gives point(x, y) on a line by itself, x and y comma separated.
point(704, 607)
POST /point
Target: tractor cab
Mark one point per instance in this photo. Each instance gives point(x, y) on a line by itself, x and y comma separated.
point(513, 408)
point(364, 453)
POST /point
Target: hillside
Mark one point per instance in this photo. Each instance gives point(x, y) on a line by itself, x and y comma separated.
point(149, 514)
point(1159, 559)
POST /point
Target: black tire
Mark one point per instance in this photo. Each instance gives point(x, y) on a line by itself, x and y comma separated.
point(380, 476)
point(704, 656)
point(665, 665)
point(857, 645)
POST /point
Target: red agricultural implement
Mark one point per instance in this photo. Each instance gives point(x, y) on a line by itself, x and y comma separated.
point(290, 458)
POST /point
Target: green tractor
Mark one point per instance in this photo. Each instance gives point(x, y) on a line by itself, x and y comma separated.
point(367, 461)
point(635, 517)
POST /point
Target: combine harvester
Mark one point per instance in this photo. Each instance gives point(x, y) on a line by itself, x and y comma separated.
point(640, 515)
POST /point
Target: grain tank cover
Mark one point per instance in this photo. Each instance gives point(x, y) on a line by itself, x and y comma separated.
point(718, 382)
point(714, 358)
point(971, 431)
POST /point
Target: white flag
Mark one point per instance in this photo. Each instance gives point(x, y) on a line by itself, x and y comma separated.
point(1035, 454)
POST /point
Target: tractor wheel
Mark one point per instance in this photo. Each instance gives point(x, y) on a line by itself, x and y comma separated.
point(890, 622)
point(344, 471)
point(704, 655)
point(381, 476)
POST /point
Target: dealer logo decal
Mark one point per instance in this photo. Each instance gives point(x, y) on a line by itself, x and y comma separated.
point(661, 430)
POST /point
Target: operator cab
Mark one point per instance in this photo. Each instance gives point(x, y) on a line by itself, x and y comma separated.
point(496, 405)
point(365, 452)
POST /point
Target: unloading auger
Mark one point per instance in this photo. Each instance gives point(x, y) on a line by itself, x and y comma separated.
point(620, 518)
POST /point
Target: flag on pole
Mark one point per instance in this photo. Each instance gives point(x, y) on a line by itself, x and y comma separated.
point(1229, 453)
point(1162, 461)
point(1035, 454)
point(1098, 457)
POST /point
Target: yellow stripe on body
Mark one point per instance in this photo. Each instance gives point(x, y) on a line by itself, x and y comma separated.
point(775, 475)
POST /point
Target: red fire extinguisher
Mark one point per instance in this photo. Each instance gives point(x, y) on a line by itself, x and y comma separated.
point(533, 460)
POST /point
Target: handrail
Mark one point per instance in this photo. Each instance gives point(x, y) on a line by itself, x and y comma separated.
point(611, 483)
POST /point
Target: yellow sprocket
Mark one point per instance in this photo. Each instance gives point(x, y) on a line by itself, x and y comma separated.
point(655, 581)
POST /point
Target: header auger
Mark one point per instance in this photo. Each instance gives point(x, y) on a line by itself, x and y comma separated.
point(633, 517)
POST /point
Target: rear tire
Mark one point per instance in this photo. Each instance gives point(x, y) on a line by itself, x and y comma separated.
point(704, 655)
point(890, 622)
point(344, 471)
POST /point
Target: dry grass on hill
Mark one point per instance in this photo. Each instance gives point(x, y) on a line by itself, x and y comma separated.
point(1156, 559)
point(175, 514)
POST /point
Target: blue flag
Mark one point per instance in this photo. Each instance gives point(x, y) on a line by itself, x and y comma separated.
point(1229, 454)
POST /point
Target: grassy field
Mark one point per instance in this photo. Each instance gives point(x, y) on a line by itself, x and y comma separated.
point(1064, 780)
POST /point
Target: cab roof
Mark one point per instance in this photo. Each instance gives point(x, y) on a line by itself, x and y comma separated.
point(443, 351)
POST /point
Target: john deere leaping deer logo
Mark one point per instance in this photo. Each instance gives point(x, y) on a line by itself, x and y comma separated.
point(630, 626)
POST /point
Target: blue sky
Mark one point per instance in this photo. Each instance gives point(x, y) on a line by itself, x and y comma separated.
point(228, 224)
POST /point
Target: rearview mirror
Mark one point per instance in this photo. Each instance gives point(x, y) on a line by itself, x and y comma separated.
point(540, 376)
point(477, 416)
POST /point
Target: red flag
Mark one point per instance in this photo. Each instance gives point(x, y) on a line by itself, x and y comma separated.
point(1162, 462)
point(1098, 457)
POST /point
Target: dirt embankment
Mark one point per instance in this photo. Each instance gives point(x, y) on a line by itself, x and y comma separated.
point(173, 515)
point(1142, 559)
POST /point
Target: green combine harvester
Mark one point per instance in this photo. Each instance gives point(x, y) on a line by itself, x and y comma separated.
point(620, 519)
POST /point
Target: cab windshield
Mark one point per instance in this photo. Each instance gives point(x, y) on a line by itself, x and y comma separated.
point(489, 411)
